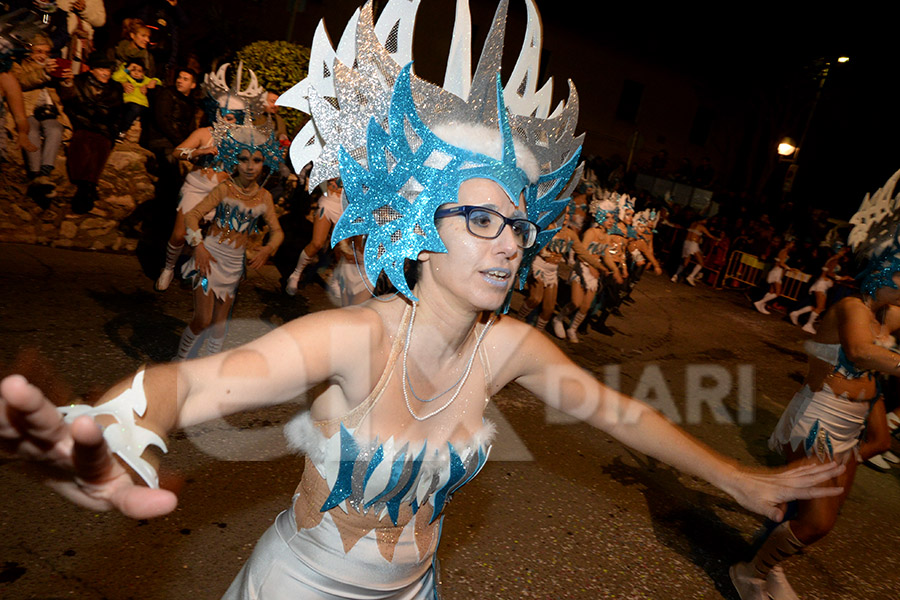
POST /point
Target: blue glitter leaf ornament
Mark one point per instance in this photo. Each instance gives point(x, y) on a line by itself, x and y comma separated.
point(410, 173)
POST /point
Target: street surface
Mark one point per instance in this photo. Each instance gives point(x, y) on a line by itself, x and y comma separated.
point(559, 512)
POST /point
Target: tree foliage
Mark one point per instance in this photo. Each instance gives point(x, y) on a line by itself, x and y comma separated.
point(278, 66)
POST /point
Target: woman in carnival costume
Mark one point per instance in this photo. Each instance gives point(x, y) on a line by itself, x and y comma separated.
point(775, 277)
point(819, 289)
point(640, 247)
point(462, 203)
point(223, 104)
point(840, 400)
point(586, 279)
point(544, 280)
point(240, 206)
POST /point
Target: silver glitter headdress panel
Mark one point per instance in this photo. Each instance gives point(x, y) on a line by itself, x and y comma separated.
point(218, 93)
point(349, 92)
point(876, 236)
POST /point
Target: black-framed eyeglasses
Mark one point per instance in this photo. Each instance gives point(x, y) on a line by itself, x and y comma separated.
point(488, 223)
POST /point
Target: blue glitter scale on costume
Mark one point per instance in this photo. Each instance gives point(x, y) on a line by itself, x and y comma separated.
point(408, 477)
point(559, 246)
point(236, 218)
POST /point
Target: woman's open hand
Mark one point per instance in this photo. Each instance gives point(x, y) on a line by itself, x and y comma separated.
point(767, 492)
point(76, 458)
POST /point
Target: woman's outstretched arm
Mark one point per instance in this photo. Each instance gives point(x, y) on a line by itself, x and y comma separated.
point(538, 365)
point(77, 457)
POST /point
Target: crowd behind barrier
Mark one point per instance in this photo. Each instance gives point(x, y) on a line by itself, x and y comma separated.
point(82, 100)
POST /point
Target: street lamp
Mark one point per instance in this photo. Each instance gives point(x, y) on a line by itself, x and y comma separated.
point(794, 153)
point(786, 148)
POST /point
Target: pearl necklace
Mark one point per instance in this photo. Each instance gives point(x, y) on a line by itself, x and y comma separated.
point(462, 379)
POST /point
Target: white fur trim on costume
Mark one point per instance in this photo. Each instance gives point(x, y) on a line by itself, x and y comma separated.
point(484, 140)
point(303, 437)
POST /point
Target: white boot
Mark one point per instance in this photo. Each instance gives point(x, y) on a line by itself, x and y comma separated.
point(559, 330)
point(878, 463)
point(571, 332)
point(748, 584)
point(760, 305)
point(190, 344)
point(796, 314)
point(293, 280)
point(810, 325)
point(778, 586)
point(165, 278)
point(692, 278)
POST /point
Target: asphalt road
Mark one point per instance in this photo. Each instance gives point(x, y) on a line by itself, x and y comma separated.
point(561, 511)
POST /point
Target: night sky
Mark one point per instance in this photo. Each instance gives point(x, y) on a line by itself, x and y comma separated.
point(756, 54)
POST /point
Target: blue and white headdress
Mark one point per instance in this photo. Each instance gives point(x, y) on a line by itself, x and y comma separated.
point(221, 98)
point(384, 131)
point(648, 217)
point(232, 139)
point(876, 237)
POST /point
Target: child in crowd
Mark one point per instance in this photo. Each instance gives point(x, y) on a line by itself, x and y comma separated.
point(131, 75)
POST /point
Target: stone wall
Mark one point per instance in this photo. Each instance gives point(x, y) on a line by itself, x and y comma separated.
point(124, 185)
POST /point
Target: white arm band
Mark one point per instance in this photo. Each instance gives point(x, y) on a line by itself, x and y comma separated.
point(193, 237)
point(126, 439)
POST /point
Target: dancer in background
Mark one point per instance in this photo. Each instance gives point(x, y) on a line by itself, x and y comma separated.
point(544, 281)
point(691, 250)
point(775, 276)
point(240, 205)
point(838, 416)
point(223, 104)
point(330, 209)
point(819, 289)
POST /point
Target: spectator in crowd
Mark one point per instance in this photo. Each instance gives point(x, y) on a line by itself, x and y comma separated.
point(167, 20)
point(41, 105)
point(83, 17)
point(135, 85)
point(135, 44)
point(93, 103)
point(11, 91)
point(276, 121)
point(169, 121)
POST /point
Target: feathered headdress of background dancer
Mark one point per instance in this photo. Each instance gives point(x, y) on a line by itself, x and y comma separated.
point(876, 237)
point(221, 98)
point(648, 217)
point(373, 124)
point(231, 139)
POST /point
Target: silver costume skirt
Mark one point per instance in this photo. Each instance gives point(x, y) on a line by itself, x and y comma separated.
point(277, 571)
point(826, 425)
point(224, 274)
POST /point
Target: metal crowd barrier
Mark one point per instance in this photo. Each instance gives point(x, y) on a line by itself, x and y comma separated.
point(748, 270)
point(743, 268)
point(792, 284)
